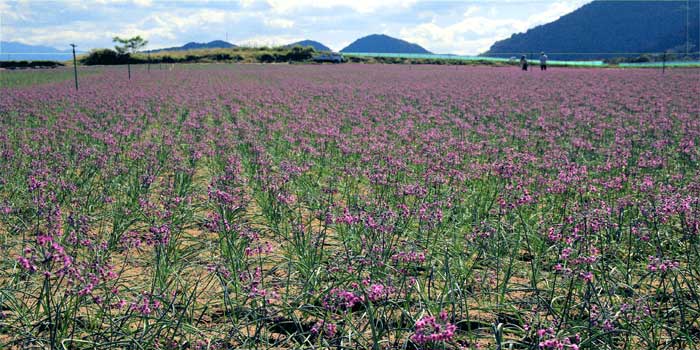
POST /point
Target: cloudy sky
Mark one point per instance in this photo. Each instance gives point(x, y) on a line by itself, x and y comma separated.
point(460, 27)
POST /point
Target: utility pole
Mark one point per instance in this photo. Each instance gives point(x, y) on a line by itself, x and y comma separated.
point(663, 67)
point(687, 27)
point(75, 67)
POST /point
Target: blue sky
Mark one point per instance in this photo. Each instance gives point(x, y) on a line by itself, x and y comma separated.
point(460, 27)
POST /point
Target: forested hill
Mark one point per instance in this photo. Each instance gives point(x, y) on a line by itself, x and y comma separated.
point(380, 43)
point(605, 28)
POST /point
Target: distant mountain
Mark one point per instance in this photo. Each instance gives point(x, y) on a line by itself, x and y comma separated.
point(315, 44)
point(216, 44)
point(380, 43)
point(604, 29)
point(16, 51)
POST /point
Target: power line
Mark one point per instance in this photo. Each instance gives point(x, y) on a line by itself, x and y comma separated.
point(687, 27)
point(590, 53)
point(492, 53)
point(38, 53)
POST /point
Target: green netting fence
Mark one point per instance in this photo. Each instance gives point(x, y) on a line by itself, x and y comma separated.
point(550, 62)
point(673, 64)
point(475, 58)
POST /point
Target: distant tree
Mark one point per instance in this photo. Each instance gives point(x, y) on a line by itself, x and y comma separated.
point(298, 53)
point(128, 47)
point(103, 57)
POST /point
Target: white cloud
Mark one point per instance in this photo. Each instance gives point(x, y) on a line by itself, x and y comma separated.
point(278, 23)
point(470, 36)
point(160, 29)
point(476, 33)
point(192, 19)
point(143, 3)
point(163, 29)
point(471, 10)
point(247, 3)
point(270, 40)
point(360, 6)
point(61, 37)
point(19, 12)
point(554, 11)
point(434, 25)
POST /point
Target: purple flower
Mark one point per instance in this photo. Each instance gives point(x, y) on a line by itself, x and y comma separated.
point(428, 329)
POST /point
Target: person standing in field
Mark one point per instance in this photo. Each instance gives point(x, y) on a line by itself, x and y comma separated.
point(523, 62)
point(543, 61)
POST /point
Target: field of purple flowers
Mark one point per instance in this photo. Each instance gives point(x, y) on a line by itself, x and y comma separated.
point(351, 207)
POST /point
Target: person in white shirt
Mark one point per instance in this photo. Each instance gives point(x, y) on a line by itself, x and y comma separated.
point(543, 61)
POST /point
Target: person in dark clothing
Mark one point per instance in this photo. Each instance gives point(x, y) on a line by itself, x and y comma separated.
point(543, 61)
point(523, 62)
